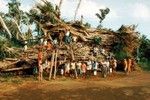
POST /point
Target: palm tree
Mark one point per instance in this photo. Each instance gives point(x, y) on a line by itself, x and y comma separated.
point(102, 15)
point(14, 17)
point(76, 11)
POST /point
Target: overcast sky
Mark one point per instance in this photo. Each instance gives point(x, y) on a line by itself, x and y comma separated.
point(121, 12)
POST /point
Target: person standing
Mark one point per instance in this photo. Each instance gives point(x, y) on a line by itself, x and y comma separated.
point(73, 69)
point(67, 68)
point(95, 66)
point(125, 65)
point(40, 57)
point(114, 64)
point(78, 67)
point(129, 65)
point(89, 67)
point(84, 69)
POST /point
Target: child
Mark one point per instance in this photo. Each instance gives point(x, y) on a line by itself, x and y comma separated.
point(40, 56)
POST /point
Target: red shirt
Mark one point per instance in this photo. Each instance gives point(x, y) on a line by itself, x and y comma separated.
point(40, 55)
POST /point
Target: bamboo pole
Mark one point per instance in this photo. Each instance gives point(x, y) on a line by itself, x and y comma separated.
point(56, 54)
point(51, 66)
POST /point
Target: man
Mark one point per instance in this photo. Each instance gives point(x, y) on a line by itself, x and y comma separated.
point(25, 46)
point(68, 38)
point(113, 64)
point(129, 65)
point(40, 57)
point(78, 67)
point(95, 66)
point(84, 69)
point(73, 69)
point(67, 68)
point(95, 51)
point(105, 67)
point(89, 67)
point(125, 65)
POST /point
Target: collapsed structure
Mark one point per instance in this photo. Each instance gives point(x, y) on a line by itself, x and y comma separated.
point(81, 49)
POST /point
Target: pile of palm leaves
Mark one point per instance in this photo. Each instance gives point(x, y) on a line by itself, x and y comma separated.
point(5, 50)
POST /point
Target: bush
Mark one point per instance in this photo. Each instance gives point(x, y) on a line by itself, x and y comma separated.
point(96, 40)
point(145, 64)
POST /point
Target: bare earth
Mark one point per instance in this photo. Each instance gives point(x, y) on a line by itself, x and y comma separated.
point(118, 86)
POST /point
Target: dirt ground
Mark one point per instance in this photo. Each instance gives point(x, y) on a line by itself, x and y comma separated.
point(118, 86)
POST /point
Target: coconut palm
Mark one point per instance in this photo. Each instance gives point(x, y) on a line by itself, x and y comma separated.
point(14, 17)
point(102, 15)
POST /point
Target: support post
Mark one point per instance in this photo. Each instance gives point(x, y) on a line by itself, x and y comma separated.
point(52, 64)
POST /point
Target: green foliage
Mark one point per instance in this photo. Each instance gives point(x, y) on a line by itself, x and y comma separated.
point(96, 40)
point(5, 50)
point(14, 10)
point(45, 13)
point(121, 55)
point(145, 64)
point(102, 14)
point(87, 25)
point(126, 42)
point(144, 49)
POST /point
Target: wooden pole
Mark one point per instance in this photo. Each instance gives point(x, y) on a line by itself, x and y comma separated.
point(51, 66)
point(72, 53)
point(56, 54)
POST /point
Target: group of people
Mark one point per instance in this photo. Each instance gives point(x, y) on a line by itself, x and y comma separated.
point(78, 68)
point(128, 65)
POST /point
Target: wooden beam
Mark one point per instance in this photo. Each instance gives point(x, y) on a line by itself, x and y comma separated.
point(52, 64)
point(16, 69)
point(55, 70)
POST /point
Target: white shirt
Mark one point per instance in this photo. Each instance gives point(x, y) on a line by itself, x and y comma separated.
point(73, 66)
point(106, 63)
point(95, 49)
point(67, 65)
point(74, 38)
point(79, 65)
point(103, 51)
point(68, 33)
point(55, 41)
point(89, 65)
point(45, 43)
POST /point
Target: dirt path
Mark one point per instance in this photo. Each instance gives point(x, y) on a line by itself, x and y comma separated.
point(135, 86)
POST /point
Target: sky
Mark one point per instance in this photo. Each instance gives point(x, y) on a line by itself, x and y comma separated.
point(125, 12)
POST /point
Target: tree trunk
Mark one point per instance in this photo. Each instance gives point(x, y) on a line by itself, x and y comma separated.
point(5, 27)
point(51, 66)
point(60, 3)
point(19, 30)
point(76, 11)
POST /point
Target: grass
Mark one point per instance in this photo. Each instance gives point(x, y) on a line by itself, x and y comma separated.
point(11, 78)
